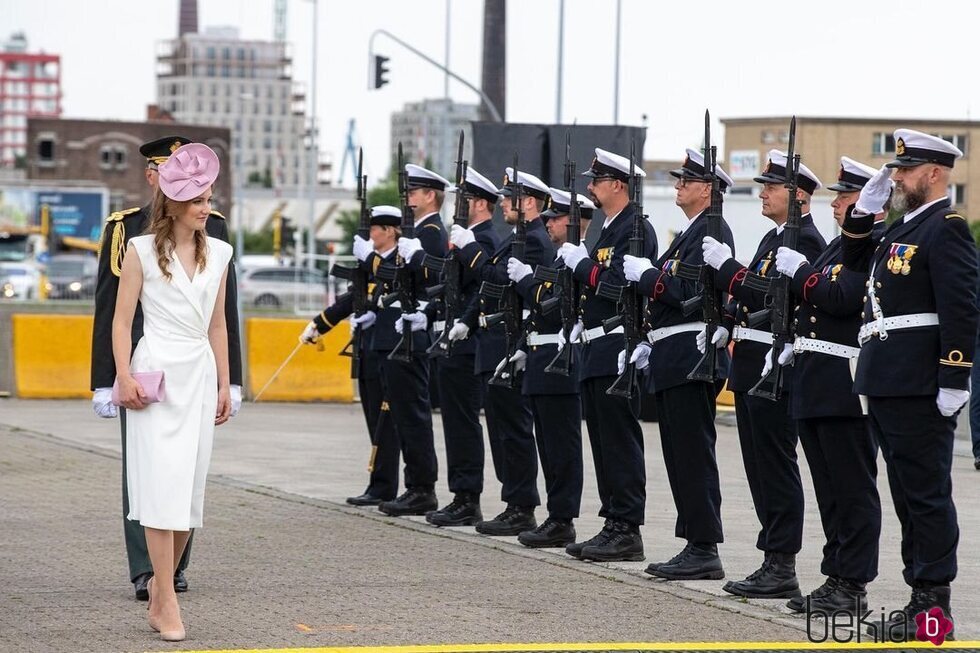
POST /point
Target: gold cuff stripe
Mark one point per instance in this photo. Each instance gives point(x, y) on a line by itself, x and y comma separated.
point(850, 235)
point(943, 361)
point(478, 255)
point(323, 316)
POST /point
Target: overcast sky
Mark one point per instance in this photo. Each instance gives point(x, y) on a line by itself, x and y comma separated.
point(739, 58)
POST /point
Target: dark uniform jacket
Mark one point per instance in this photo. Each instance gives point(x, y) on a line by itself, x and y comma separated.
point(536, 380)
point(674, 357)
point(479, 267)
point(488, 240)
point(605, 265)
point(926, 265)
point(120, 227)
point(830, 309)
point(332, 315)
point(383, 336)
point(749, 357)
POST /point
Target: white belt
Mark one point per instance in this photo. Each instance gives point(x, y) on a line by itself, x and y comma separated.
point(755, 335)
point(666, 332)
point(595, 333)
point(534, 339)
point(398, 304)
point(825, 347)
point(439, 325)
point(881, 327)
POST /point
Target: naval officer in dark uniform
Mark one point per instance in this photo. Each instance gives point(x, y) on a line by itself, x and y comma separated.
point(840, 450)
point(462, 387)
point(406, 384)
point(614, 429)
point(555, 401)
point(383, 481)
point(119, 228)
point(767, 433)
point(685, 408)
point(509, 419)
point(917, 344)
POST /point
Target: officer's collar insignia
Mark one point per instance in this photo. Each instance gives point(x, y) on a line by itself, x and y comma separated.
point(900, 147)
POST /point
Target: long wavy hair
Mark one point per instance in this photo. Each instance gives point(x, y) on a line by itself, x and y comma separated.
point(162, 216)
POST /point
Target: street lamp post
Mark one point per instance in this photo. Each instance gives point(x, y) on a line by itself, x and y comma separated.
point(240, 197)
point(314, 162)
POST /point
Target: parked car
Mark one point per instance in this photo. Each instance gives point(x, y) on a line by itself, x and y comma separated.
point(72, 276)
point(19, 280)
point(283, 287)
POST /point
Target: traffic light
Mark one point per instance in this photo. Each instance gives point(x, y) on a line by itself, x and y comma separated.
point(380, 70)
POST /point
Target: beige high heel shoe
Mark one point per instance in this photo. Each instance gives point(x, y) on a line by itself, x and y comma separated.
point(149, 602)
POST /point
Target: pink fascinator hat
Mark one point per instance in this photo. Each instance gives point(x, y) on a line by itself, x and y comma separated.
point(189, 171)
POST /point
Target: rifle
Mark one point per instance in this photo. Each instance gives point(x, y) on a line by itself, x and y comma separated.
point(510, 309)
point(404, 276)
point(632, 303)
point(779, 311)
point(568, 299)
point(709, 300)
point(357, 276)
point(451, 268)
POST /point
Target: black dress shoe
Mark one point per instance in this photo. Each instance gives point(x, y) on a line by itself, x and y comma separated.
point(775, 579)
point(623, 544)
point(364, 500)
point(976, 462)
point(463, 511)
point(551, 533)
point(512, 521)
point(902, 627)
point(654, 566)
point(847, 596)
point(414, 501)
point(575, 549)
point(700, 563)
point(180, 582)
point(139, 584)
point(798, 603)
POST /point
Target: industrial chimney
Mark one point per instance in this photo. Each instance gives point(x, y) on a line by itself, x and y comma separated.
point(187, 23)
point(494, 77)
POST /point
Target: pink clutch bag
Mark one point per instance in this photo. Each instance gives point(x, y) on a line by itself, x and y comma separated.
point(153, 385)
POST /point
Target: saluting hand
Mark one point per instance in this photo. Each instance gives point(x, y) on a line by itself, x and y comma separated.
point(875, 193)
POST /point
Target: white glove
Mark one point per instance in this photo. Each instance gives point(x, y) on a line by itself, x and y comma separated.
point(517, 270)
point(364, 322)
point(459, 332)
point(310, 334)
point(236, 398)
point(408, 247)
point(788, 261)
point(715, 253)
point(949, 401)
point(573, 254)
point(519, 359)
point(102, 403)
point(460, 237)
point(362, 248)
point(573, 336)
point(785, 358)
point(640, 357)
point(719, 339)
point(418, 321)
point(875, 193)
point(634, 267)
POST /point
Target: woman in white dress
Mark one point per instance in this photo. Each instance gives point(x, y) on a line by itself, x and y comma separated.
point(177, 273)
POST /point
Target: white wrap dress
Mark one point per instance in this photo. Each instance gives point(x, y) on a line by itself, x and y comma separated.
point(168, 444)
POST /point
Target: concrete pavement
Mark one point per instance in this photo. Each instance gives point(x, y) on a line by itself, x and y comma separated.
point(282, 562)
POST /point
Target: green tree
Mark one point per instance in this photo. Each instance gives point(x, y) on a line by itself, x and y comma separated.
point(259, 242)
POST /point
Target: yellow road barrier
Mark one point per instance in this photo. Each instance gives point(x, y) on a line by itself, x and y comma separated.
point(52, 355)
point(313, 375)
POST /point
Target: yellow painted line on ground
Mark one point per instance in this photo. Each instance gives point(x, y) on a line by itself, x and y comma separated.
point(607, 646)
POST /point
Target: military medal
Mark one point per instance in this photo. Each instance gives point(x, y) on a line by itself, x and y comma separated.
point(900, 258)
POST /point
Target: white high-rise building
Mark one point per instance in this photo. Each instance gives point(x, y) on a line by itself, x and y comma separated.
point(216, 78)
point(429, 133)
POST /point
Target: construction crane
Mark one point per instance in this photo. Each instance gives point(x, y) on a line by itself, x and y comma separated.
point(350, 152)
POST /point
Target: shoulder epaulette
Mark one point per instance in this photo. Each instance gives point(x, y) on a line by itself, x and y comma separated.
point(116, 216)
point(951, 216)
point(215, 213)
